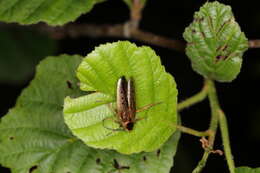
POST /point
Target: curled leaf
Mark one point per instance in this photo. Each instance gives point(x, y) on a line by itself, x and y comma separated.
point(215, 42)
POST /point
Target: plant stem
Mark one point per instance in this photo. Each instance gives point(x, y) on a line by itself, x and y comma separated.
point(225, 139)
point(202, 162)
point(217, 117)
point(136, 13)
point(194, 99)
point(192, 131)
point(214, 105)
point(135, 18)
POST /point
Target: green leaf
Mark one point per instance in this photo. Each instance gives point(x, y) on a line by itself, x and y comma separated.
point(20, 51)
point(34, 137)
point(247, 170)
point(56, 12)
point(215, 42)
point(130, 2)
point(89, 117)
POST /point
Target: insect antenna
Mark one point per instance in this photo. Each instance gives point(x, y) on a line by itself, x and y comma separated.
point(147, 107)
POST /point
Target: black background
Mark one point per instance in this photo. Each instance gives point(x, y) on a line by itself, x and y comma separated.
point(238, 99)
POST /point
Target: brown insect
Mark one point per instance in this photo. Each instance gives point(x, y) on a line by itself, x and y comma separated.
point(125, 104)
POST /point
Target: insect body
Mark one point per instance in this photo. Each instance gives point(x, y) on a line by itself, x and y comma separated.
point(125, 105)
point(126, 109)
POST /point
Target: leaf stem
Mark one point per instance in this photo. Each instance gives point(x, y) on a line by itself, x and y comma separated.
point(214, 105)
point(225, 138)
point(200, 96)
point(202, 162)
point(192, 131)
point(217, 117)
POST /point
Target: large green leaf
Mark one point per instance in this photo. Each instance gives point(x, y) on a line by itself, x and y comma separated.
point(215, 42)
point(247, 170)
point(89, 116)
point(34, 137)
point(20, 51)
point(53, 12)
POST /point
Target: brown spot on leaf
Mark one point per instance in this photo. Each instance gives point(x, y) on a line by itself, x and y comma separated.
point(118, 166)
point(11, 138)
point(124, 167)
point(144, 158)
point(190, 43)
point(222, 48)
point(158, 153)
point(221, 57)
point(225, 23)
point(203, 34)
point(69, 84)
point(98, 160)
point(225, 47)
point(199, 19)
point(33, 168)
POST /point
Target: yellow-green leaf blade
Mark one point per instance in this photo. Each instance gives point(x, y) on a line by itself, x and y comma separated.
point(100, 71)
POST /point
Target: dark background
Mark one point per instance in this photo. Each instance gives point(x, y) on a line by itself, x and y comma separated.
point(238, 99)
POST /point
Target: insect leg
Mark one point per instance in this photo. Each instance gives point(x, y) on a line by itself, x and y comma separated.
point(147, 107)
point(103, 123)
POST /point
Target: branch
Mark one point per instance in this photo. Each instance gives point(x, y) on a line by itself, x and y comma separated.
point(74, 30)
point(254, 43)
point(125, 31)
point(115, 31)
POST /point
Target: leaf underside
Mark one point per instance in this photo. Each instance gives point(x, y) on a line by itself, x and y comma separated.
point(56, 12)
point(90, 116)
point(34, 137)
point(215, 42)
